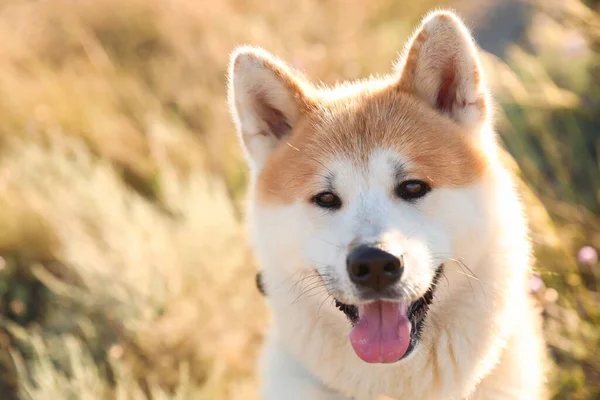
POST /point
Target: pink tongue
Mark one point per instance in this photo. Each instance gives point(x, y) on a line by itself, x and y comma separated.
point(382, 334)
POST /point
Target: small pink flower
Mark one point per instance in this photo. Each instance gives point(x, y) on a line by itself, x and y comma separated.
point(575, 45)
point(536, 283)
point(587, 255)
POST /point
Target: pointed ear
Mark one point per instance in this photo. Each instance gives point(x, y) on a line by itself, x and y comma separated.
point(440, 66)
point(266, 99)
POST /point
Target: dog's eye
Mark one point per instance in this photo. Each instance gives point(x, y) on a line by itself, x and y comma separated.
point(327, 200)
point(413, 189)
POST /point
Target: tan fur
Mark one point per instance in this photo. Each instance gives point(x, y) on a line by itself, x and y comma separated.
point(267, 87)
point(434, 109)
point(443, 44)
point(439, 152)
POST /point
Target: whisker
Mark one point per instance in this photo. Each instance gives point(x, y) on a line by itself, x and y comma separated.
point(323, 302)
point(302, 280)
point(463, 266)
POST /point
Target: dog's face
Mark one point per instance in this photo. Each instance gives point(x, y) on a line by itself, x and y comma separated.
point(371, 188)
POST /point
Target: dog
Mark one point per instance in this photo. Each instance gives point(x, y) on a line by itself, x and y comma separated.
point(392, 243)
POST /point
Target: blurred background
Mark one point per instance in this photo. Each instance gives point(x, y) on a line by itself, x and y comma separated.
point(124, 270)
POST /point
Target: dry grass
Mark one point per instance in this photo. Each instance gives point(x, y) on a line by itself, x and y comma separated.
point(145, 288)
point(124, 271)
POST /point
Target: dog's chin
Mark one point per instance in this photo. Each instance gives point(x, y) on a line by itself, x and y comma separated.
point(388, 330)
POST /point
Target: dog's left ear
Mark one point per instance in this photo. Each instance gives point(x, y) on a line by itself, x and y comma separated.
point(440, 66)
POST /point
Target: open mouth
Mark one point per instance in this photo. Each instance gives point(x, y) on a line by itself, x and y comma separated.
point(388, 331)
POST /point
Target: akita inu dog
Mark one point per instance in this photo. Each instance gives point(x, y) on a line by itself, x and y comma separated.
point(392, 243)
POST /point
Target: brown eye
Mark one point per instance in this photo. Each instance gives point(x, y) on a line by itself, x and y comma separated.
point(413, 189)
point(327, 200)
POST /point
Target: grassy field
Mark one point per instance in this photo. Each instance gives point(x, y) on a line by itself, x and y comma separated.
point(124, 270)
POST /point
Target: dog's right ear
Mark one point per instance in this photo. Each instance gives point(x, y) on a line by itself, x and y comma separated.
point(266, 99)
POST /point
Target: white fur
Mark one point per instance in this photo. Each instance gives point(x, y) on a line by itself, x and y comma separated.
point(480, 225)
point(480, 337)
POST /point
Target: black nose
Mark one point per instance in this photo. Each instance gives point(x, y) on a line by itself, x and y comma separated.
point(374, 268)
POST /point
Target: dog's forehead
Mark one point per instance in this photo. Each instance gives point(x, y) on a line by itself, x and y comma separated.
point(380, 168)
point(374, 132)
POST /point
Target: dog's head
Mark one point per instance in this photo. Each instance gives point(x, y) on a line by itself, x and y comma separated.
point(372, 186)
